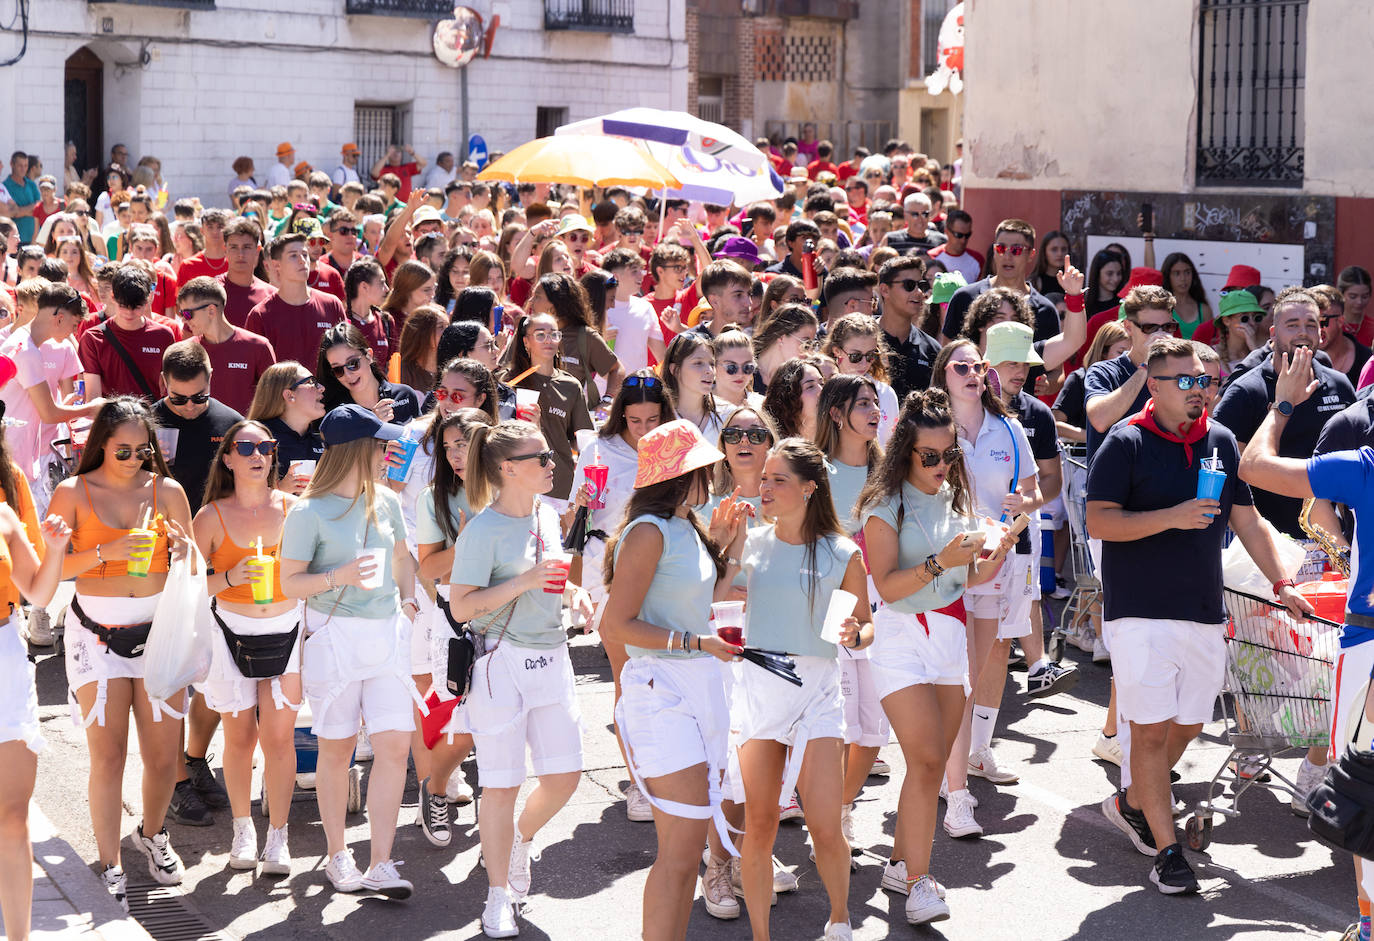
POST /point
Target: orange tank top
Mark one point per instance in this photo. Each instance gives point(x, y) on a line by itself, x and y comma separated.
point(7, 578)
point(227, 555)
point(93, 532)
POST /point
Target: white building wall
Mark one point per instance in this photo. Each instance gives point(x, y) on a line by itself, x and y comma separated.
point(251, 73)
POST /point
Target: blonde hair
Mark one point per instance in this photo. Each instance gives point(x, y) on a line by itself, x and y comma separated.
point(722, 478)
point(268, 401)
point(488, 446)
point(338, 464)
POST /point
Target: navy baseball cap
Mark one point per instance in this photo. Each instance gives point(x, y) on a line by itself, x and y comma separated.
point(351, 422)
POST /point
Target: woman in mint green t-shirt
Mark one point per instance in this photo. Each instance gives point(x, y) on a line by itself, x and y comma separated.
point(509, 579)
point(794, 736)
point(343, 553)
point(664, 570)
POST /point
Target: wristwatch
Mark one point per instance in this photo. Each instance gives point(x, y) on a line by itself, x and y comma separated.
point(1283, 583)
point(1283, 408)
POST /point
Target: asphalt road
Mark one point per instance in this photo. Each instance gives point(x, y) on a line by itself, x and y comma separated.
point(1049, 866)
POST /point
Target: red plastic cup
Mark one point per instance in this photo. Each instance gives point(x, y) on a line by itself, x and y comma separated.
point(729, 621)
point(597, 475)
point(564, 561)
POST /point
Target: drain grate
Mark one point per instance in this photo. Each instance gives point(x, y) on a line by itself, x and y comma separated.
point(164, 913)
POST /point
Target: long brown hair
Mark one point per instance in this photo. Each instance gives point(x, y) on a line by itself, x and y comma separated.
point(417, 340)
point(678, 352)
point(115, 412)
point(854, 325)
point(923, 409)
point(662, 500)
point(446, 482)
point(488, 446)
point(783, 400)
point(404, 282)
point(219, 483)
point(993, 403)
point(819, 520)
point(840, 392)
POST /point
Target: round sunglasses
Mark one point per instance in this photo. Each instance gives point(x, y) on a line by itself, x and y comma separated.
point(732, 369)
point(856, 358)
point(143, 452)
point(353, 365)
point(932, 458)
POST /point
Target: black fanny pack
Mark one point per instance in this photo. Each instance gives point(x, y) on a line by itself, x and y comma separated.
point(1342, 806)
point(258, 656)
point(125, 641)
point(462, 653)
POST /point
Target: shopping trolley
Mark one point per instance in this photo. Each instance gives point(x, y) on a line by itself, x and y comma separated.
point(1087, 588)
point(1277, 697)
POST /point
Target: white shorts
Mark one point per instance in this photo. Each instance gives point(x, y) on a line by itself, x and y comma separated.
point(770, 708)
point(19, 700)
point(672, 714)
point(90, 661)
point(1008, 597)
point(1350, 685)
point(1053, 513)
point(1167, 670)
point(522, 696)
point(227, 690)
point(865, 723)
point(356, 670)
point(905, 653)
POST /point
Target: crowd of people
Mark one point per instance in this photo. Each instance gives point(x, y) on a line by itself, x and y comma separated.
point(420, 432)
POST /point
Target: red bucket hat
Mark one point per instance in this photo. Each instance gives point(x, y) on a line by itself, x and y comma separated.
point(1140, 277)
point(1242, 276)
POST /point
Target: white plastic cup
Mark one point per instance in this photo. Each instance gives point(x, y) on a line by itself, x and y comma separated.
point(729, 620)
point(302, 468)
point(526, 401)
point(378, 557)
point(841, 606)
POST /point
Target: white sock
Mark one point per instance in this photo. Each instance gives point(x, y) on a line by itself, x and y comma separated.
point(1039, 665)
point(984, 722)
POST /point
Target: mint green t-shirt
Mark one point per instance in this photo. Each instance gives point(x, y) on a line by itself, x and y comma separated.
point(935, 513)
point(327, 532)
point(846, 481)
point(679, 597)
point(789, 593)
point(709, 507)
point(427, 531)
point(494, 548)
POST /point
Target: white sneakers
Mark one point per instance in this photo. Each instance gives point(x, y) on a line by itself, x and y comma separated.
point(458, 791)
point(792, 811)
point(243, 851)
point(276, 857)
point(944, 793)
point(498, 917)
point(343, 872)
point(717, 891)
point(923, 903)
point(518, 877)
point(1108, 748)
point(895, 880)
point(363, 750)
point(881, 769)
point(982, 764)
point(840, 932)
point(163, 862)
point(637, 806)
point(847, 828)
point(1309, 776)
point(116, 885)
point(384, 879)
point(959, 820)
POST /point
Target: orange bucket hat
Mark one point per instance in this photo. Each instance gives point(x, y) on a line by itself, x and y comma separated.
point(671, 450)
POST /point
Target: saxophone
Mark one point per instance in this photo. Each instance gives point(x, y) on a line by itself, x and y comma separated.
point(1339, 555)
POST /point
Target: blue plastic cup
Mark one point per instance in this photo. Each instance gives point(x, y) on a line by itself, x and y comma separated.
point(399, 472)
point(1209, 484)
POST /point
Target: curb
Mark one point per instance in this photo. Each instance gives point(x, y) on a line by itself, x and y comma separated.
point(79, 885)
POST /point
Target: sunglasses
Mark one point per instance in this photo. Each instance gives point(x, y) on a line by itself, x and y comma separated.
point(455, 396)
point(1187, 382)
point(246, 448)
point(856, 358)
point(577, 237)
point(190, 312)
point(632, 233)
point(958, 235)
point(1256, 318)
point(1150, 329)
point(545, 458)
point(963, 369)
point(346, 230)
point(353, 365)
point(200, 398)
point(1016, 251)
point(934, 458)
point(306, 381)
point(646, 382)
point(82, 213)
point(755, 434)
point(913, 284)
point(142, 452)
point(923, 213)
point(732, 369)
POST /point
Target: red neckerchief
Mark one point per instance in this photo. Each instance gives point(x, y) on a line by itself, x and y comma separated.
point(1146, 419)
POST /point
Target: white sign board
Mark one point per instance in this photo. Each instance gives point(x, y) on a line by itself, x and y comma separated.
point(1279, 265)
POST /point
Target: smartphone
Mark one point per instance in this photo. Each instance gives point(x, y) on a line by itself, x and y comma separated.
point(1147, 217)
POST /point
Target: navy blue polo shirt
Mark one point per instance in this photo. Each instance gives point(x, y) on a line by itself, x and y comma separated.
point(1102, 379)
point(1175, 574)
point(1243, 406)
point(1038, 422)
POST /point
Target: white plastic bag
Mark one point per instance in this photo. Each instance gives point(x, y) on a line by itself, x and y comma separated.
point(179, 650)
point(1239, 572)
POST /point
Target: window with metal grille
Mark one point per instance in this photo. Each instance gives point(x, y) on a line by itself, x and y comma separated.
point(932, 17)
point(1251, 84)
point(711, 98)
point(604, 16)
point(548, 120)
point(375, 129)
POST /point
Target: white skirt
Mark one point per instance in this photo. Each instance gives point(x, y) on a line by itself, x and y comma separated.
point(90, 661)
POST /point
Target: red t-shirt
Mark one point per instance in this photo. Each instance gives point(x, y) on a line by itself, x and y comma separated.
point(294, 330)
point(685, 300)
point(519, 291)
point(237, 364)
point(164, 301)
point(198, 265)
point(405, 172)
point(326, 278)
point(145, 347)
point(845, 171)
point(241, 300)
point(40, 215)
point(816, 167)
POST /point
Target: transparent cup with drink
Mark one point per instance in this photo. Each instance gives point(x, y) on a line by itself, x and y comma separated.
point(142, 539)
point(563, 561)
point(527, 404)
point(729, 620)
point(261, 572)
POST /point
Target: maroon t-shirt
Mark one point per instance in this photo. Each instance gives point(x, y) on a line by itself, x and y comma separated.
point(380, 332)
point(145, 347)
point(198, 265)
point(241, 300)
point(294, 330)
point(236, 366)
point(326, 278)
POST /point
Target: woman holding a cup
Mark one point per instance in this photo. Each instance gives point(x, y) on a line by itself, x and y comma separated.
point(664, 570)
point(508, 581)
point(119, 556)
point(343, 553)
point(349, 373)
point(922, 544)
point(289, 401)
point(792, 569)
point(255, 675)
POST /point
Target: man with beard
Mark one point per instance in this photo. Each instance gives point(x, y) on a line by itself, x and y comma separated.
point(1161, 565)
point(1246, 401)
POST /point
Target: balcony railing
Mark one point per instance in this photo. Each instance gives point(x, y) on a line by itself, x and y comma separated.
point(421, 9)
point(602, 16)
point(175, 4)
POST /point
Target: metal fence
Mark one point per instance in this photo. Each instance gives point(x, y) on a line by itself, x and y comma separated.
point(608, 16)
point(1251, 84)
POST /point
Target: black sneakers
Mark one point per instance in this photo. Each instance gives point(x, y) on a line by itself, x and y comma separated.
point(187, 808)
point(1129, 821)
point(1172, 874)
point(203, 780)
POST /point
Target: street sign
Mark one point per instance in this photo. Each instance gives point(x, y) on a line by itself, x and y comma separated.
point(477, 150)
